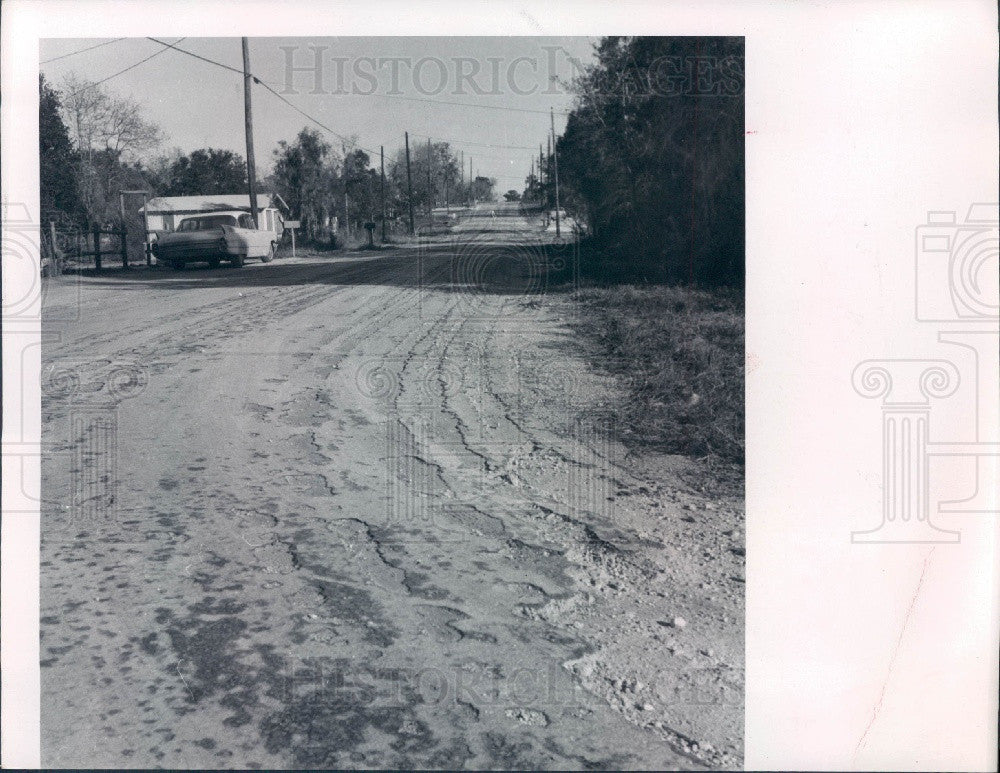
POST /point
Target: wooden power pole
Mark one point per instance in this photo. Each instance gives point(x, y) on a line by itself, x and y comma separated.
point(548, 176)
point(409, 180)
point(555, 165)
point(430, 188)
point(381, 187)
point(248, 119)
point(347, 216)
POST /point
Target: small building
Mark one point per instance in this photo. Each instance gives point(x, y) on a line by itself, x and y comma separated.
point(164, 213)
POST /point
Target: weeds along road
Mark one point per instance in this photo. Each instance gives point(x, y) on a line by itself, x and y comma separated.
point(348, 510)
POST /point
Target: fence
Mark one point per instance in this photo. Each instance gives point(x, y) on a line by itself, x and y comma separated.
point(67, 247)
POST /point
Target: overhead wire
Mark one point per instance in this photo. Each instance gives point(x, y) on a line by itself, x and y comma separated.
point(80, 51)
point(115, 75)
point(340, 136)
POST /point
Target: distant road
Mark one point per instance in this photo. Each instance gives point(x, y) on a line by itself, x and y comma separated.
point(496, 216)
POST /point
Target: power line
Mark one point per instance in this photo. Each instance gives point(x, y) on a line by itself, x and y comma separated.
point(323, 126)
point(269, 88)
point(197, 56)
point(481, 144)
point(81, 51)
point(340, 136)
point(120, 72)
point(461, 104)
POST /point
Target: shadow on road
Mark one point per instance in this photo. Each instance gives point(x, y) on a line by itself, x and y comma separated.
point(481, 263)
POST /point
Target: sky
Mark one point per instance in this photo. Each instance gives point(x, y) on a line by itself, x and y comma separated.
point(371, 88)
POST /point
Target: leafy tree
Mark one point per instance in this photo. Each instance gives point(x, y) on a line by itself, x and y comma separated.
point(305, 177)
point(435, 172)
point(57, 159)
point(532, 188)
point(483, 189)
point(652, 158)
point(207, 171)
point(362, 187)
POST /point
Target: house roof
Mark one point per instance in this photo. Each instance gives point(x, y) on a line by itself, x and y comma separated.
point(238, 201)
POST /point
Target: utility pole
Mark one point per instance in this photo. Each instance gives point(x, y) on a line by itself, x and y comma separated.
point(541, 184)
point(347, 212)
point(248, 120)
point(555, 163)
point(409, 180)
point(381, 187)
point(430, 189)
point(462, 174)
point(548, 176)
point(472, 184)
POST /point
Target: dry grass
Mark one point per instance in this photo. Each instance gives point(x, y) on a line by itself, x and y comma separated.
point(681, 354)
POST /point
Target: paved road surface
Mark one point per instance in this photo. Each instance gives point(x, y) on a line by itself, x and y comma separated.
point(341, 511)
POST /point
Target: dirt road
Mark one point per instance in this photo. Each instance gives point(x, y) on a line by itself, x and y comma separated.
point(358, 510)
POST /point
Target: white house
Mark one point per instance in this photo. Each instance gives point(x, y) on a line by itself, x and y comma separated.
point(165, 212)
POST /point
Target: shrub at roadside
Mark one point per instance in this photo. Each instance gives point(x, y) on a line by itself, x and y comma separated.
point(681, 353)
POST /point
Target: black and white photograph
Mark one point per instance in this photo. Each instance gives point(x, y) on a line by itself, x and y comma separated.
point(395, 393)
point(497, 390)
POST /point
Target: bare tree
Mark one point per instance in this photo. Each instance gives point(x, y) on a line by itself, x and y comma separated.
point(109, 132)
point(100, 121)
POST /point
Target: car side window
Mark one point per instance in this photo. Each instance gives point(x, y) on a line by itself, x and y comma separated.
point(246, 221)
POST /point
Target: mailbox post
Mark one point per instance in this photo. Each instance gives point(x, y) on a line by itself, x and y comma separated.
point(291, 225)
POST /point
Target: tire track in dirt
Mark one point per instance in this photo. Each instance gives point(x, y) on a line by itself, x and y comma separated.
point(303, 572)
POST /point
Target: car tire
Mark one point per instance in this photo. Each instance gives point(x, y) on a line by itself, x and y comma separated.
point(269, 255)
point(238, 261)
point(177, 265)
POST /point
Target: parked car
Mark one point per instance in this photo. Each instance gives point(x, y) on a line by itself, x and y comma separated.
point(214, 237)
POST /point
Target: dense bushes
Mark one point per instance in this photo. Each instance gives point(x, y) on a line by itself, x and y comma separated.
point(652, 160)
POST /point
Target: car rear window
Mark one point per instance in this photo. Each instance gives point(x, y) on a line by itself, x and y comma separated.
point(206, 223)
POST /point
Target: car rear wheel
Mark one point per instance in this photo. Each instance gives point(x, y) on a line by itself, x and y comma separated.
point(269, 256)
point(238, 261)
